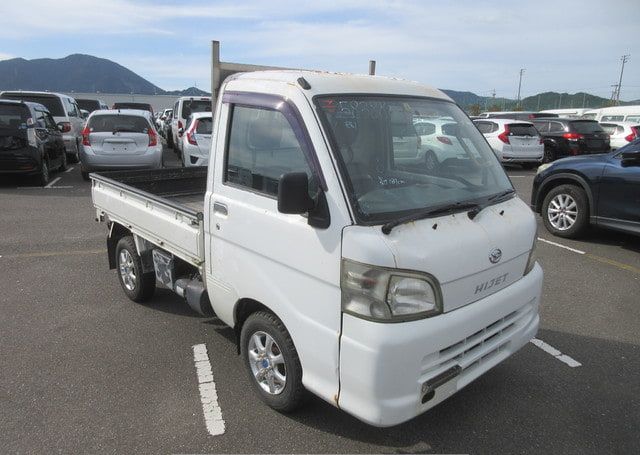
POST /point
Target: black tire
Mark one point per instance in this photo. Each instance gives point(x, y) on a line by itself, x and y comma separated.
point(170, 140)
point(85, 175)
point(63, 165)
point(140, 286)
point(578, 196)
point(549, 155)
point(431, 162)
point(293, 394)
point(44, 175)
point(529, 165)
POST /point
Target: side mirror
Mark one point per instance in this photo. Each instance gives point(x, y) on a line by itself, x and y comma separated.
point(631, 158)
point(293, 194)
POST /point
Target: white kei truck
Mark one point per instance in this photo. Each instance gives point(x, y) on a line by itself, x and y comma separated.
point(376, 283)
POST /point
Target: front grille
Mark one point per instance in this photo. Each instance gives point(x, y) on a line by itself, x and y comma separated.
point(478, 347)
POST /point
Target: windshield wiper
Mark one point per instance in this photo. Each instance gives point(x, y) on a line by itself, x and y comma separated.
point(473, 210)
point(457, 206)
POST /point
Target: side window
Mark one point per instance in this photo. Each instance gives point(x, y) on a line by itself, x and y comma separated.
point(40, 119)
point(484, 127)
point(50, 122)
point(262, 147)
point(555, 127)
point(633, 118)
point(542, 127)
point(71, 108)
point(175, 107)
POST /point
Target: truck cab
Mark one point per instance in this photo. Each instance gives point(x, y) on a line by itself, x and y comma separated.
point(383, 286)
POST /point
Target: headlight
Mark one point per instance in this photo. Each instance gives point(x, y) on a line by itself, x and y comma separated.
point(542, 167)
point(532, 256)
point(388, 295)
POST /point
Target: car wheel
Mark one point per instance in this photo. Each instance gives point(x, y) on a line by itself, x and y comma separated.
point(431, 162)
point(85, 175)
point(63, 164)
point(272, 362)
point(549, 155)
point(565, 211)
point(43, 176)
point(138, 286)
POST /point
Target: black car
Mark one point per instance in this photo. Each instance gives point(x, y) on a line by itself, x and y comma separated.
point(30, 141)
point(90, 105)
point(603, 190)
point(571, 137)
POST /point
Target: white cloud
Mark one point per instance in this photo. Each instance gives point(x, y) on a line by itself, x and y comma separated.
point(4, 56)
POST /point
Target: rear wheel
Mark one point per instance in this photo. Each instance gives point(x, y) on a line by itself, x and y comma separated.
point(549, 155)
point(565, 211)
point(272, 361)
point(136, 284)
point(63, 164)
point(43, 176)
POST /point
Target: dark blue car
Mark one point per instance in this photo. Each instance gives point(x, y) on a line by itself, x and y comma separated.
point(603, 190)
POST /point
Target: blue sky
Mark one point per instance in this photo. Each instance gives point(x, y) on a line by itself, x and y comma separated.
point(479, 46)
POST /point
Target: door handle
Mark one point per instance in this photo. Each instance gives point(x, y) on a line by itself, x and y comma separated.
point(220, 208)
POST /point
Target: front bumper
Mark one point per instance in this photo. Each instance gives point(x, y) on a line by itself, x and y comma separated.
point(384, 368)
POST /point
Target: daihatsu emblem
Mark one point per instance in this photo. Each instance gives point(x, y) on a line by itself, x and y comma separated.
point(495, 256)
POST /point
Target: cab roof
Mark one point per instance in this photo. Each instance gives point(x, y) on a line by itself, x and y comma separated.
point(322, 83)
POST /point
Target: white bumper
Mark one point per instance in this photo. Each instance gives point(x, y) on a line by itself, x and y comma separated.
point(384, 367)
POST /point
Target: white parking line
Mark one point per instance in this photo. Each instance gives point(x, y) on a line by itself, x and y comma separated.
point(208, 394)
point(561, 246)
point(69, 170)
point(52, 182)
point(564, 358)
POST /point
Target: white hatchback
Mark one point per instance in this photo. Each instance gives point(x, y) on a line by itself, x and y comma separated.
point(513, 141)
point(621, 133)
point(196, 142)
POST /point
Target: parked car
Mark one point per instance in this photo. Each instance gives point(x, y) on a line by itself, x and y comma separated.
point(517, 115)
point(602, 190)
point(197, 139)
point(438, 143)
point(615, 114)
point(134, 106)
point(182, 109)
point(570, 137)
point(91, 105)
point(65, 112)
point(621, 133)
point(513, 141)
point(30, 140)
point(119, 139)
point(382, 290)
point(161, 119)
point(569, 112)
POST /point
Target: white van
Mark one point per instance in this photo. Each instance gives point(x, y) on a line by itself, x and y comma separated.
point(373, 283)
point(615, 114)
point(182, 109)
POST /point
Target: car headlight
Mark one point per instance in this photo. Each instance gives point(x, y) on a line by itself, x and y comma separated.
point(532, 256)
point(388, 295)
point(542, 167)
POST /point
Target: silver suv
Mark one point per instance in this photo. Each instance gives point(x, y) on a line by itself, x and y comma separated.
point(65, 112)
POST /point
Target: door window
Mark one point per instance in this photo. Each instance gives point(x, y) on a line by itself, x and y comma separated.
point(262, 147)
point(555, 127)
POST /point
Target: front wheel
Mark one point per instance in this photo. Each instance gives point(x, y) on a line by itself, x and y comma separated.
point(43, 176)
point(138, 286)
point(272, 362)
point(565, 211)
point(63, 164)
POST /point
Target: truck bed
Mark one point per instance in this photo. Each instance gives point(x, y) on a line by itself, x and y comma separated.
point(164, 206)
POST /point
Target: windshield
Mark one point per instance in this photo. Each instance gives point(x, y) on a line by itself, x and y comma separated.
point(109, 123)
point(586, 127)
point(395, 164)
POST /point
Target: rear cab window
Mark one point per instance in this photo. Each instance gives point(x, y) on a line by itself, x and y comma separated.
point(191, 106)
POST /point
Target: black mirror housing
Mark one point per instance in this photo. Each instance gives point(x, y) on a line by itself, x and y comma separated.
point(293, 194)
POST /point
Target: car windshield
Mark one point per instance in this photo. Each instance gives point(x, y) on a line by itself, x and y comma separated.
point(391, 171)
point(52, 103)
point(118, 123)
point(586, 126)
point(13, 116)
point(191, 106)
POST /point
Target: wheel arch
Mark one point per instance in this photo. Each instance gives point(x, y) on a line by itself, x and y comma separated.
point(244, 308)
point(563, 179)
point(116, 232)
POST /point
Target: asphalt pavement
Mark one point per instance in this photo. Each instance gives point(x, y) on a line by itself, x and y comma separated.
point(83, 369)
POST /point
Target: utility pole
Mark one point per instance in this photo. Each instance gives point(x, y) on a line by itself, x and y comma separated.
point(614, 94)
point(520, 84)
point(624, 59)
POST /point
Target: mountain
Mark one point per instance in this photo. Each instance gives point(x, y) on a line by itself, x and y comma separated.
point(191, 91)
point(78, 73)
